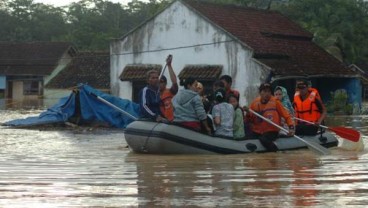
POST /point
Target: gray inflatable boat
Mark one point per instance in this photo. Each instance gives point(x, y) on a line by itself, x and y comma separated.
point(161, 138)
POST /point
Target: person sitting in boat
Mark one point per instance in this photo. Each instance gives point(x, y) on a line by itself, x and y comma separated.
point(281, 94)
point(150, 98)
point(167, 94)
point(308, 106)
point(223, 115)
point(269, 107)
point(238, 125)
point(205, 100)
point(227, 80)
point(188, 107)
point(211, 97)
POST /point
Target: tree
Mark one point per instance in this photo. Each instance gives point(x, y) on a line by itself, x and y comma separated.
point(344, 21)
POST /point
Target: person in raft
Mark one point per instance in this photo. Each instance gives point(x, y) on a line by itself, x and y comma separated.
point(281, 94)
point(269, 107)
point(228, 81)
point(238, 126)
point(188, 107)
point(167, 94)
point(223, 115)
point(150, 98)
point(308, 106)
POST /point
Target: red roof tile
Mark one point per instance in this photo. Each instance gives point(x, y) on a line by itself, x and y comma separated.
point(201, 72)
point(137, 72)
point(276, 40)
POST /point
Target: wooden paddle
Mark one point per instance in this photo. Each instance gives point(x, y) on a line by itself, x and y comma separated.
point(344, 132)
point(312, 145)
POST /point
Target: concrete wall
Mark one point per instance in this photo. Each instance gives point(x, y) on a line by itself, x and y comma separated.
point(174, 31)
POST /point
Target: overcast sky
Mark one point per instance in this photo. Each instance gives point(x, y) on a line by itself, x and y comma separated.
point(66, 2)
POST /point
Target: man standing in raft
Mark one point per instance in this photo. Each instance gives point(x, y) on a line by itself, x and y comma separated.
point(167, 94)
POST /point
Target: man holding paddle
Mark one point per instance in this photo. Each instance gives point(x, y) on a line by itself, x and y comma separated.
point(308, 107)
point(267, 107)
point(167, 94)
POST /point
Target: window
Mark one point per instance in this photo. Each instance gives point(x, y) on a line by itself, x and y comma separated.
point(31, 88)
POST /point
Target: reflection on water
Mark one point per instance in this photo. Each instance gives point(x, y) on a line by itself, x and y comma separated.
point(86, 167)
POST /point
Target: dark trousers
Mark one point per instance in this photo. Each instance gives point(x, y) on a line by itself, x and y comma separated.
point(302, 129)
point(267, 140)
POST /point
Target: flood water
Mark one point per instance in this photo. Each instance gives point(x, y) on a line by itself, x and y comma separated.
point(89, 167)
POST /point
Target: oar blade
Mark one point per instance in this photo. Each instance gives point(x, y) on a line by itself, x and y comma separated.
point(346, 133)
point(314, 146)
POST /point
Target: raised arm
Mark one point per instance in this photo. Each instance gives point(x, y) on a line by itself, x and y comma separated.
point(174, 80)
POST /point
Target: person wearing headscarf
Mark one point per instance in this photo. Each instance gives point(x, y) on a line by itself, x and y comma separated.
point(281, 94)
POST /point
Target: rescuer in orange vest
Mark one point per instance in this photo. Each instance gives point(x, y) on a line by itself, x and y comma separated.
point(167, 94)
point(269, 107)
point(308, 106)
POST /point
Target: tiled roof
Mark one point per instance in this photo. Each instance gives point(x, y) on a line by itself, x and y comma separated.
point(137, 72)
point(201, 72)
point(32, 58)
point(277, 41)
point(92, 68)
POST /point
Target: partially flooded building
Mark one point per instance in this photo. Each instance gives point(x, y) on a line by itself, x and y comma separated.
point(209, 40)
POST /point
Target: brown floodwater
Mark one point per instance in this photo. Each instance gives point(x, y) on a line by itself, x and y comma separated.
point(89, 167)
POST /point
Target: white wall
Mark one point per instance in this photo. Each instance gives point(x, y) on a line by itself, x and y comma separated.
point(177, 27)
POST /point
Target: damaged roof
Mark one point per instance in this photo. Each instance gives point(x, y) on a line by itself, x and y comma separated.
point(32, 58)
point(92, 68)
point(277, 42)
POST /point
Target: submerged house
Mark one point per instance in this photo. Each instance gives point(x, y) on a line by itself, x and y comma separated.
point(208, 40)
point(26, 67)
point(87, 67)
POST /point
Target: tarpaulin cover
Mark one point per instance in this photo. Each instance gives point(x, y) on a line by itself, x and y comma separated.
point(87, 108)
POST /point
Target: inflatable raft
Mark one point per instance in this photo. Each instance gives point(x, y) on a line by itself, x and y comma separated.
point(161, 138)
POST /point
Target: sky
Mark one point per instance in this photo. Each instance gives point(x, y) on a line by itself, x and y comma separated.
point(58, 3)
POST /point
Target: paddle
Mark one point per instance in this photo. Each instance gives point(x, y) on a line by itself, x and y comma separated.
point(113, 106)
point(163, 71)
point(343, 132)
point(312, 145)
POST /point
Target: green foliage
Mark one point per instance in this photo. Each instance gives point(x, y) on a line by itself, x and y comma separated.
point(338, 103)
point(339, 26)
point(89, 24)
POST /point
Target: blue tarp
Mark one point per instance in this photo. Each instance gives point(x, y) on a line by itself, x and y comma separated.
point(92, 110)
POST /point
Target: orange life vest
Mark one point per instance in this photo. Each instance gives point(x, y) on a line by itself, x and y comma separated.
point(166, 106)
point(307, 109)
point(268, 110)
